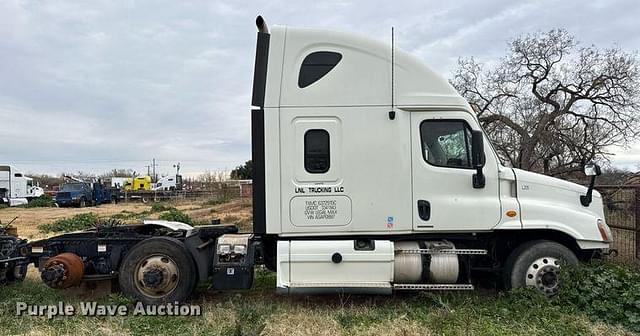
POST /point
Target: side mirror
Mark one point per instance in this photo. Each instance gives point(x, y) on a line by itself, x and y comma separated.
point(477, 158)
point(592, 169)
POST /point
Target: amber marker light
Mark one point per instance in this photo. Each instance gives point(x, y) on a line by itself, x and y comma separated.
point(604, 233)
point(511, 213)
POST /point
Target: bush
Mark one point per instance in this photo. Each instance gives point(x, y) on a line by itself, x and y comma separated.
point(216, 201)
point(75, 223)
point(160, 207)
point(43, 201)
point(125, 215)
point(176, 215)
point(604, 291)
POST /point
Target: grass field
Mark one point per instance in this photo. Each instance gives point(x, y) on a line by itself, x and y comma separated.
point(260, 311)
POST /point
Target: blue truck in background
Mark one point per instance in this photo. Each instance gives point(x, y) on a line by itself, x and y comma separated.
point(80, 193)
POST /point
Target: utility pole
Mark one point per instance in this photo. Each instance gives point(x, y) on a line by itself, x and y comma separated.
point(177, 167)
point(155, 178)
point(148, 170)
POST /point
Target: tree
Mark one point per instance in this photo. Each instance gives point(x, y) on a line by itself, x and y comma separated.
point(243, 172)
point(550, 105)
point(209, 177)
point(119, 173)
point(46, 181)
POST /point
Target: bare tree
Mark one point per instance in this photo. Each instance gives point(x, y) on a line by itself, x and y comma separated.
point(118, 173)
point(551, 105)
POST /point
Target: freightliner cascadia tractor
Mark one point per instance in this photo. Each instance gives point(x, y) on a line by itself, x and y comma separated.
point(371, 175)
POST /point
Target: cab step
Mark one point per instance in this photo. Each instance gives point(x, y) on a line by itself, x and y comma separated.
point(433, 287)
point(443, 251)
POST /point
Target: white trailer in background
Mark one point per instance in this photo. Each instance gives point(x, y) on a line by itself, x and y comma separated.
point(15, 188)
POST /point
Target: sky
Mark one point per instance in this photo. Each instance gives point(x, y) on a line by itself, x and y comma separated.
point(95, 85)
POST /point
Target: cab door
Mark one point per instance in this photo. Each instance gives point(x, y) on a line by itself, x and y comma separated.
point(444, 198)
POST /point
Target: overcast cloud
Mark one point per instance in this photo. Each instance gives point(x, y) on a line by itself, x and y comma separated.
point(95, 85)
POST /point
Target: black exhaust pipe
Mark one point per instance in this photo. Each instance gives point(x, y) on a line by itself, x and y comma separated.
point(262, 25)
point(257, 127)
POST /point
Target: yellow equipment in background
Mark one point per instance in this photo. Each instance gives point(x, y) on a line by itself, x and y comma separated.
point(138, 183)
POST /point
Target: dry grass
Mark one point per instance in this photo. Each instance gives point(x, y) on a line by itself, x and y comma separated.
point(603, 329)
point(302, 323)
point(29, 218)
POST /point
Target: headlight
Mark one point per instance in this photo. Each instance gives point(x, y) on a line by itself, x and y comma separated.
point(239, 249)
point(224, 249)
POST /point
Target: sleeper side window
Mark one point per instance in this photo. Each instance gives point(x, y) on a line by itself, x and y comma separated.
point(316, 65)
point(446, 143)
point(316, 151)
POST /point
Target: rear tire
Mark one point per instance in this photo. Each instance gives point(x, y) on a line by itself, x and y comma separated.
point(537, 264)
point(17, 273)
point(158, 270)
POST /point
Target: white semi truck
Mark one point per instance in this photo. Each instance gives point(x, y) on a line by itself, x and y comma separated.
point(16, 188)
point(371, 175)
point(168, 183)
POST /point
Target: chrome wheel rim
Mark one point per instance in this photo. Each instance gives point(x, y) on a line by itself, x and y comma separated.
point(544, 275)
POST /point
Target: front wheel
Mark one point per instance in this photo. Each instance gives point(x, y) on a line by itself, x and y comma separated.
point(158, 270)
point(537, 264)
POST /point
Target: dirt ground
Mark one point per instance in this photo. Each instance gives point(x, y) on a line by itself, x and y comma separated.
point(237, 211)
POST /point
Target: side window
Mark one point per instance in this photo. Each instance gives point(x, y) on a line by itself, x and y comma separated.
point(316, 151)
point(316, 65)
point(446, 143)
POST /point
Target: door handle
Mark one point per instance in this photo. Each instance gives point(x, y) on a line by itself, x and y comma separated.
point(424, 210)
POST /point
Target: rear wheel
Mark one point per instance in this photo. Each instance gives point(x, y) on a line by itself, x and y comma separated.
point(16, 272)
point(158, 270)
point(19, 272)
point(537, 264)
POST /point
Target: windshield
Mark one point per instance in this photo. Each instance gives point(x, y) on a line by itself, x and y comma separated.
point(72, 187)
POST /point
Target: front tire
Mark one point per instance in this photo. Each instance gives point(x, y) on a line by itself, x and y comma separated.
point(158, 270)
point(537, 264)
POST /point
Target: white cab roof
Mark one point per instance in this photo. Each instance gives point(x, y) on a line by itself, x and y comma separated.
point(361, 78)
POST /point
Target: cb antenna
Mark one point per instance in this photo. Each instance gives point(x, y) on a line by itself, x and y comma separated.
point(392, 113)
point(392, 67)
